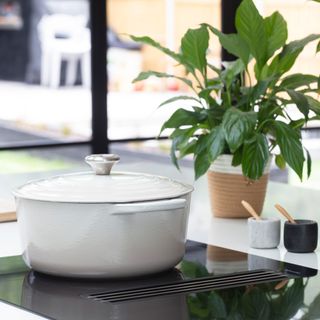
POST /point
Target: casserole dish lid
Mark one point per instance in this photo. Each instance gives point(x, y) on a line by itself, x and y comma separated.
point(102, 187)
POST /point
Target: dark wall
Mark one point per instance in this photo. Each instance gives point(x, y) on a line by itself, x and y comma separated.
point(228, 13)
point(20, 52)
point(14, 47)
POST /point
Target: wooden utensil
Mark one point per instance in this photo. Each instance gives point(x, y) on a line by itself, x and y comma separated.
point(281, 284)
point(284, 212)
point(7, 210)
point(8, 217)
point(249, 208)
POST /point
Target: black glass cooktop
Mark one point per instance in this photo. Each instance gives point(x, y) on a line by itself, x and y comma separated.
point(210, 283)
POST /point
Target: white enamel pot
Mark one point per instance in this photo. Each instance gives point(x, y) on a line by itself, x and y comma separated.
point(99, 224)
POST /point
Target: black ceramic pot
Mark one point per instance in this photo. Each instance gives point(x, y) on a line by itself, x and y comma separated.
point(301, 237)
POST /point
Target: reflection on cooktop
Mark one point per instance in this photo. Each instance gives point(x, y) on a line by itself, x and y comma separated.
point(210, 283)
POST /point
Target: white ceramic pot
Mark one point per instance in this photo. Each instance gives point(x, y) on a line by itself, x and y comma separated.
point(101, 225)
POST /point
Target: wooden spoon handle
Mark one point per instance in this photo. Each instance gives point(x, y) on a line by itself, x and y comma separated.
point(285, 213)
point(248, 207)
point(281, 284)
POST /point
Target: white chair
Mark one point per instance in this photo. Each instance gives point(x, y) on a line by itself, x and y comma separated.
point(64, 38)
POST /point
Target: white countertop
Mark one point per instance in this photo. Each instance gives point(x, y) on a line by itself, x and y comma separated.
point(227, 233)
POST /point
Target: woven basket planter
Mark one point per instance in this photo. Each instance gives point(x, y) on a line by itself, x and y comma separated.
point(222, 261)
point(227, 187)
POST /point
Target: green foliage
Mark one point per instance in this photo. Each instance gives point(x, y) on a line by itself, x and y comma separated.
point(255, 156)
point(250, 302)
point(193, 46)
point(248, 119)
point(290, 146)
point(251, 28)
point(238, 126)
point(277, 33)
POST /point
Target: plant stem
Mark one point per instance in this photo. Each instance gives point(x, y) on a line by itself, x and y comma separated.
point(242, 79)
point(262, 124)
point(249, 77)
point(229, 98)
point(198, 80)
point(250, 85)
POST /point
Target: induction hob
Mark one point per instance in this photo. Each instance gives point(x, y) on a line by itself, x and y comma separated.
point(210, 283)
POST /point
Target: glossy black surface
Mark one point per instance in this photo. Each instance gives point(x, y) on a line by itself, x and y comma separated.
point(62, 298)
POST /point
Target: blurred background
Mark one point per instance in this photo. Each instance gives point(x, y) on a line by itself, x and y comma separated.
point(47, 98)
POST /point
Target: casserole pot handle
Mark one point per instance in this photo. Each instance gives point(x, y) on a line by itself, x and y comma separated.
point(150, 206)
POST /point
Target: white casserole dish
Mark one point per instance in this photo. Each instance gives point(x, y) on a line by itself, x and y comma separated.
point(101, 224)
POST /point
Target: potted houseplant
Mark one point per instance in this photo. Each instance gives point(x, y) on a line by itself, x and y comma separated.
point(238, 118)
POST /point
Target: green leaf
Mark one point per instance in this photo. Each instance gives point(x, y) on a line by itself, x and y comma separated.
point(180, 142)
point(314, 105)
point(268, 110)
point(297, 124)
point(181, 117)
point(309, 163)
point(188, 148)
point(232, 69)
point(237, 126)
point(255, 156)
point(216, 143)
point(237, 157)
point(260, 89)
point(214, 68)
point(291, 300)
point(233, 43)
point(206, 95)
point(297, 80)
point(290, 146)
point(214, 84)
point(280, 162)
point(173, 150)
point(251, 28)
point(287, 57)
point(202, 163)
point(255, 305)
point(179, 98)
point(277, 33)
point(196, 309)
point(314, 118)
point(193, 270)
point(146, 74)
point(148, 41)
point(297, 45)
point(300, 101)
point(217, 306)
point(202, 143)
point(318, 47)
point(183, 134)
point(215, 115)
point(194, 46)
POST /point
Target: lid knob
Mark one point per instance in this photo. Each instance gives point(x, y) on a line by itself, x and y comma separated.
point(102, 163)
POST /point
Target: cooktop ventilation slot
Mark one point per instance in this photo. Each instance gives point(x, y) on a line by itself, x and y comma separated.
point(188, 286)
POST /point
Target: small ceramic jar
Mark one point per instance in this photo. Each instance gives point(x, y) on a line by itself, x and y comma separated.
point(301, 237)
point(264, 233)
